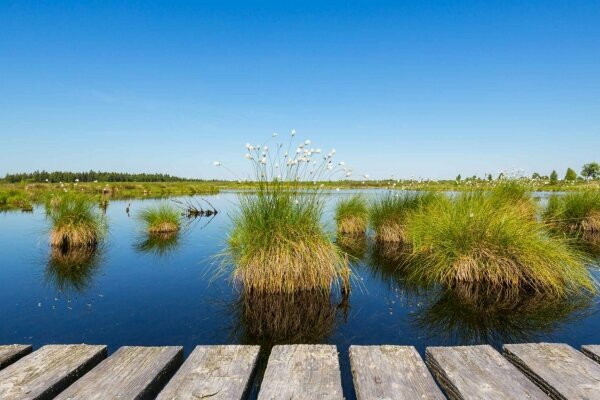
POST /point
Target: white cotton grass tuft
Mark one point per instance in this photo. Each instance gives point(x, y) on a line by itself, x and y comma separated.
point(286, 248)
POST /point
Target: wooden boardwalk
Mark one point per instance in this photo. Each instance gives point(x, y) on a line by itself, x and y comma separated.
point(521, 371)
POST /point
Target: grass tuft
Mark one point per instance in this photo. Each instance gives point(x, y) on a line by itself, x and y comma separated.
point(388, 214)
point(352, 215)
point(575, 213)
point(476, 239)
point(279, 246)
point(75, 220)
point(160, 219)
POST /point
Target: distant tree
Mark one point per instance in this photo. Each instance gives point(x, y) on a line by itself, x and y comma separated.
point(458, 178)
point(553, 178)
point(591, 170)
point(571, 175)
point(90, 176)
point(489, 177)
point(535, 175)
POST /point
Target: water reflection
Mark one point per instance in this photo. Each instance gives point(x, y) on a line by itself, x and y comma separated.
point(72, 269)
point(354, 245)
point(390, 264)
point(302, 317)
point(159, 244)
point(474, 315)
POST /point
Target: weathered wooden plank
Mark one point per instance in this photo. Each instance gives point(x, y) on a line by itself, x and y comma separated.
point(302, 372)
point(479, 372)
point(559, 369)
point(215, 372)
point(11, 353)
point(592, 351)
point(48, 371)
point(132, 373)
point(391, 372)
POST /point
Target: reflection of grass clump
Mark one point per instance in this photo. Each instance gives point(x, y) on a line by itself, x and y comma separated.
point(352, 216)
point(75, 221)
point(475, 239)
point(159, 243)
point(388, 214)
point(72, 268)
point(353, 245)
point(468, 314)
point(301, 317)
point(576, 213)
point(160, 219)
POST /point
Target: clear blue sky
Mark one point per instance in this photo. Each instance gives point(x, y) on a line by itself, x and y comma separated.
point(413, 88)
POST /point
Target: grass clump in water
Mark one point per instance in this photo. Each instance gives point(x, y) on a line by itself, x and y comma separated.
point(388, 214)
point(476, 239)
point(277, 243)
point(75, 221)
point(160, 219)
point(577, 212)
point(352, 216)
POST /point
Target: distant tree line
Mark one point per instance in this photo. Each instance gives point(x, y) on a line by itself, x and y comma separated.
point(90, 176)
point(588, 171)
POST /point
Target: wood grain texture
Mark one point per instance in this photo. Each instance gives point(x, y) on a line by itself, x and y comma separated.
point(213, 372)
point(302, 372)
point(391, 372)
point(48, 371)
point(132, 373)
point(11, 353)
point(479, 372)
point(592, 351)
point(562, 371)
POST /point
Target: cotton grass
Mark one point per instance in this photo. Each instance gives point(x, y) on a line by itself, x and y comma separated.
point(277, 243)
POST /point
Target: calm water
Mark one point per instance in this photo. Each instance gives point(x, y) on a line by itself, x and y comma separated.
point(134, 293)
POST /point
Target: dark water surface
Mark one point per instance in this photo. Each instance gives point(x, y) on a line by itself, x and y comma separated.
point(133, 292)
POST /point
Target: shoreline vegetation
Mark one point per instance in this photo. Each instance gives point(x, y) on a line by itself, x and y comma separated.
point(23, 195)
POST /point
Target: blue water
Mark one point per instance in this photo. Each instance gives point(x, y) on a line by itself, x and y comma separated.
point(132, 296)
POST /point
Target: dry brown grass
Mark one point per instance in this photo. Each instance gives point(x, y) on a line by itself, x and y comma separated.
point(163, 227)
point(591, 223)
point(301, 264)
point(352, 225)
point(74, 236)
point(390, 232)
